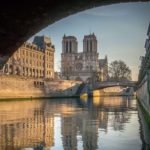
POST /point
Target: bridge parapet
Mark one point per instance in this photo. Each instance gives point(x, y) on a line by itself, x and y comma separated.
point(101, 85)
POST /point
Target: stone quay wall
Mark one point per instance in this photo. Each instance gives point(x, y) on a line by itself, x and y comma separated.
point(143, 93)
point(23, 87)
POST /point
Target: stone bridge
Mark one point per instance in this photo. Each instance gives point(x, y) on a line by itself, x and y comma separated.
point(106, 84)
point(108, 88)
point(22, 19)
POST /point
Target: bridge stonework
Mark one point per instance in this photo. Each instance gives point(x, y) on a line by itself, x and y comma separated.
point(102, 85)
point(22, 19)
point(113, 88)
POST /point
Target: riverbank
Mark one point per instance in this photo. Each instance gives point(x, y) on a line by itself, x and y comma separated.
point(16, 87)
point(34, 98)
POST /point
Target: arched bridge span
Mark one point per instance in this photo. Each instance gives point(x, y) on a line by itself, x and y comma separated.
point(102, 85)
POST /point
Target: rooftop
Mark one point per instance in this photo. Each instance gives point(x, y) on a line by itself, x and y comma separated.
point(69, 37)
point(90, 36)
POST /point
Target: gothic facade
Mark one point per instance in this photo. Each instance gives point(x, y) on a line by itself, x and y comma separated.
point(79, 65)
point(34, 59)
point(103, 69)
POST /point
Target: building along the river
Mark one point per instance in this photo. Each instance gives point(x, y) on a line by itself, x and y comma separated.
point(143, 92)
point(34, 59)
point(82, 65)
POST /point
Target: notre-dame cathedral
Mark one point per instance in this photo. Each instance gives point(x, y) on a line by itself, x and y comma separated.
point(82, 65)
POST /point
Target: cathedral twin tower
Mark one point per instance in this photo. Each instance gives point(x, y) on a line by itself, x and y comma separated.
point(70, 44)
point(79, 65)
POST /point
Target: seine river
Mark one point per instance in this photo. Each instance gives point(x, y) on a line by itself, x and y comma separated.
point(99, 123)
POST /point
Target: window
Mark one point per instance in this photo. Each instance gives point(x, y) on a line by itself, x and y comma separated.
point(91, 46)
point(70, 46)
point(87, 46)
point(66, 47)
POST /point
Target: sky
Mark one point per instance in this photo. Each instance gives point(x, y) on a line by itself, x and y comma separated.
point(120, 30)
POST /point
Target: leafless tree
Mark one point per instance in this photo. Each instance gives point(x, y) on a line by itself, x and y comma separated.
point(119, 71)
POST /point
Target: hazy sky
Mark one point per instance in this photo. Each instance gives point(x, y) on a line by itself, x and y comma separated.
point(120, 30)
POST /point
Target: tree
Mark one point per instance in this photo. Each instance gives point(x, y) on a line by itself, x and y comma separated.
point(119, 71)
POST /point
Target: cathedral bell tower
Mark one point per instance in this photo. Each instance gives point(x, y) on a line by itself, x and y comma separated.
point(69, 50)
point(90, 43)
point(69, 44)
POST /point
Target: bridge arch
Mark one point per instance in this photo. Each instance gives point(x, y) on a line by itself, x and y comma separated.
point(22, 19)
point(108, 84)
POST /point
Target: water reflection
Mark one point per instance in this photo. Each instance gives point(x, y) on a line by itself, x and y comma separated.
point(25, 124)
point(145, 131)
point(70, 124)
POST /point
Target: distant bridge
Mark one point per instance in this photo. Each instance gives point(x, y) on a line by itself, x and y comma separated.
point(105, 84)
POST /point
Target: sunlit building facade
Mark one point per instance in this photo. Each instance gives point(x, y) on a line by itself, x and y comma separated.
point(34, 59)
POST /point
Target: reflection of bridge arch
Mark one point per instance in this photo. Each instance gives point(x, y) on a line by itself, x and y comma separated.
point(108, 103)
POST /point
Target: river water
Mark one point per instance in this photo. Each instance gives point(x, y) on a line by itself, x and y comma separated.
point(99, 123)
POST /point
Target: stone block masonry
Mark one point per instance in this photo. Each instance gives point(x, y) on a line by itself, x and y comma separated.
point(23, 87)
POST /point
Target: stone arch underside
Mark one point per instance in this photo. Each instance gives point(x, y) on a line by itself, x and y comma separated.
point(19, 20)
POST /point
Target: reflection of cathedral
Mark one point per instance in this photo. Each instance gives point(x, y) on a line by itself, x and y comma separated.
point(33, 60)
point(109, 112)
point(72, 125)
point(69, 132)
point(89, 131)
point(81, 65)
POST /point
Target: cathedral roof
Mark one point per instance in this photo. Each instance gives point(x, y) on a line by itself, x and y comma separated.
point(90, 36)
point(69, 37)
